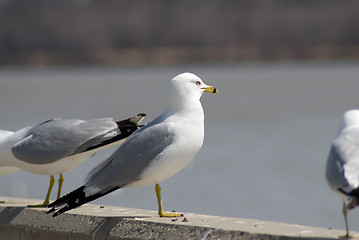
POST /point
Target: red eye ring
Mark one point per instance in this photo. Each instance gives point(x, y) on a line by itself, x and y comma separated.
point(198, 83)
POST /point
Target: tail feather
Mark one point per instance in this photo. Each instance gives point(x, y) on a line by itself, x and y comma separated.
point(74, 199)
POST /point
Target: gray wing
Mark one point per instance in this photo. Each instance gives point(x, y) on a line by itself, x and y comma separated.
point(59, 138)
point(127, 163)
point(342, 169)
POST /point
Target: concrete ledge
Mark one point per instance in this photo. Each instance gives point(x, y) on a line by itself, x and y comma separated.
point(107, 222)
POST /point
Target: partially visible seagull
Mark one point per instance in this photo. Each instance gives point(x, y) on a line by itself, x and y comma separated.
point(342, 169)
point(151, 154)
point(6, 170)
point(56, 146)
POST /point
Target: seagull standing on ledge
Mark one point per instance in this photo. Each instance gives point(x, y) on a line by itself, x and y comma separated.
point(151, 154)
point(58, 145)
point(342, 170)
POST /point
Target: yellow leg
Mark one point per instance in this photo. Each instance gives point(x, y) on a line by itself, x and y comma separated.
point(47, 201)
point(345, 211)
point(61, 180)
point(161, 213)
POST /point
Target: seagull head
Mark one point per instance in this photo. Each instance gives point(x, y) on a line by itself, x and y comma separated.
point(188, 87)
point(350, 118)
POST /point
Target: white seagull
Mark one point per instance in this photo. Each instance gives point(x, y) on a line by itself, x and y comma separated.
point(151, 154)
point(56, 146)
point(342, 169)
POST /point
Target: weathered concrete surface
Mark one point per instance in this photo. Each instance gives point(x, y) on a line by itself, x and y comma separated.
point(96, 222)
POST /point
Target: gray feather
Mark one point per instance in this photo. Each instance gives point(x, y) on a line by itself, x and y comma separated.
point(127, 163)
point(342, 169)
point(58, 138)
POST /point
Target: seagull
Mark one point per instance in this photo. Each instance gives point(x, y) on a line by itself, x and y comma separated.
point(151, 154)
point(342, 168)
point(58, 145)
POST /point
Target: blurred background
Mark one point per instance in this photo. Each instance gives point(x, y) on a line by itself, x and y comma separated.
point(44, 32)
point(286, 72)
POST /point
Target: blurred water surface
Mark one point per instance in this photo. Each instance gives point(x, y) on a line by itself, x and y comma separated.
point(267, 134)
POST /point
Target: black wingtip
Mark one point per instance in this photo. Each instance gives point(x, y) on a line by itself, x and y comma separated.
point(139, 118)
point(59, 212)
point(131, 122)
point(126, 127)
point(70, 201)
point(75, 199)
point(50, 211)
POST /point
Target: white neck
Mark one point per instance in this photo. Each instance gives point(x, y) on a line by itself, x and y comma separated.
point(349, 119)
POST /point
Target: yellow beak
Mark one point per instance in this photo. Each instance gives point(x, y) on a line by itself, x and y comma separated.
point(210, 89)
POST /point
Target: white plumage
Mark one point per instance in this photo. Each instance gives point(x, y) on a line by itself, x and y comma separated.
point(56, 146)
point(153, 153)
point(342, 169)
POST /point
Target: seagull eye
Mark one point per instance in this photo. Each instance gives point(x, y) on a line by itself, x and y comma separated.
point(198, 83)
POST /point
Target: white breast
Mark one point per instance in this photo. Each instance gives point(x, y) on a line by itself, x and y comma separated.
point(176, 156)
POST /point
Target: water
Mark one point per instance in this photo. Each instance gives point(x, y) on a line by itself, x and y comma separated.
point(267, 134)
